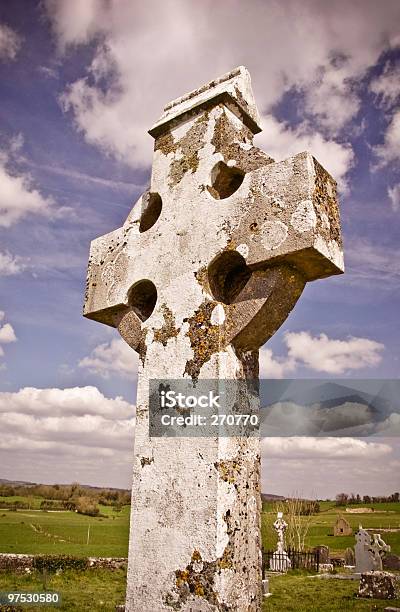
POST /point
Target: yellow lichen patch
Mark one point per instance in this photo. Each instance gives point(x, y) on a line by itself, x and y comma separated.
point(202, 278)
point(199, 589)
point(204, 338)
point(325, 201)
point(168, 330)
point(189, 147)
point(196, 556)
point(228, 470)
point(181, 577)
point(165, 143)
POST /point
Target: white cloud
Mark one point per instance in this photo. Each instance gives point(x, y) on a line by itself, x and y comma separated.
point(323, 467)
point(320, 354)
point(10, 264)
point(70, 430)
point(320, 51)
point(42, 419)
point(18, 195)
point(114, 357)
point(272, 367)
point(74, 21)
point(323, 354)
point(386, 88)
point(72, 402)
point(281, 141)
point(319, 448)
point(7, 334)
point(394, 196)
point(10, 43)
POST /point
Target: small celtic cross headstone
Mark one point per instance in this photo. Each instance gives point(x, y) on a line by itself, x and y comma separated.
point(205, 269)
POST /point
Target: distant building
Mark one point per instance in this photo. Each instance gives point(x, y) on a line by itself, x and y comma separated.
point(342, 527)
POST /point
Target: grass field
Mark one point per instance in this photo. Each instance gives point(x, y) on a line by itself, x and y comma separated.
point(81, 591)
point(103, 590)
point(302, 593)
point(37, 532)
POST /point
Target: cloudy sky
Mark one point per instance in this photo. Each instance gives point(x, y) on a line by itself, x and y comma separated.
point(81, 82)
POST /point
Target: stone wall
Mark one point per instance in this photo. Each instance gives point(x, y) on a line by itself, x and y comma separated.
point(25, 563)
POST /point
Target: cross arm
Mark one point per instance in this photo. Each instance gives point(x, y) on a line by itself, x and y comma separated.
point(293, 219)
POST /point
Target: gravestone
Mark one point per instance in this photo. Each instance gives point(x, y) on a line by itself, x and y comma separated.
point(207, 266)
point(324, 553)
point(369, 551)
point(378, 585)
point(364, 561)
point(349, 557)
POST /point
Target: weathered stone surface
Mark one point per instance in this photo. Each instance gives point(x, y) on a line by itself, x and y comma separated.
point(349, 556)
point(206, 268)
point(265, 587)
point(324, 554)
point(369, 551)
point(325, 567)
point(342, 527)
point(16, 563)
point(26, 563)
point(378, 585)
point(110, 563)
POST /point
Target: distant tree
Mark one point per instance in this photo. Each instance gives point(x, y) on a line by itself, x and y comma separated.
point(298, 514)
point(342, 499)
point(86, 505)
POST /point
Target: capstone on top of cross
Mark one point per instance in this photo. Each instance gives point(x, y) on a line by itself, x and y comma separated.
point(233, 89)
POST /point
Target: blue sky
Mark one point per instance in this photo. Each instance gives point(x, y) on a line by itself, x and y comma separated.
point(80, 84)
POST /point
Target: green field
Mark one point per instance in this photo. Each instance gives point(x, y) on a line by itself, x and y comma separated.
point(81, 591)
point(298, 592)
point(38, 532)
point(102, 590)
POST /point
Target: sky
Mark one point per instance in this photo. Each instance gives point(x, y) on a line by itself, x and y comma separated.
point(80, 85)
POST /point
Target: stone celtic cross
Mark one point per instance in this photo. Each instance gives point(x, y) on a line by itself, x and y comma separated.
point(207, 266)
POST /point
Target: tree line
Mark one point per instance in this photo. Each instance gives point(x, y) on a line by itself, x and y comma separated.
point(344, 499)
point(77, 497)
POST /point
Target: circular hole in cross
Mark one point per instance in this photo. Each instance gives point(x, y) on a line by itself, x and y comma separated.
point(142, 298)
point(228, 274)
point(225, 180)
point(151, 210)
